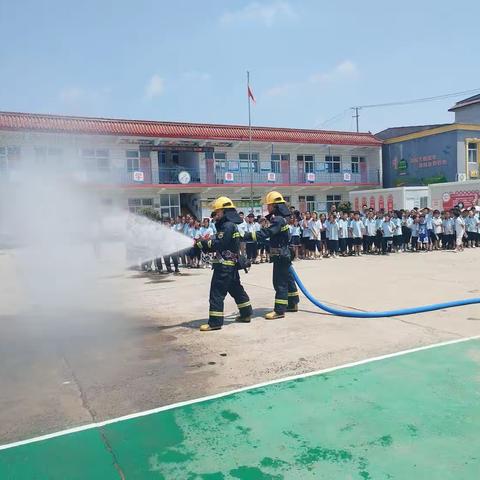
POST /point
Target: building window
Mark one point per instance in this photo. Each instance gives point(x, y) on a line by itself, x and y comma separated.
point(133, 160)
point(48, 157)
point(175, 157)
point(162, 158)
point(332, 163)
point(220, 160)
point(96, 159)
point(472, 153)
point(136, 205)
point(169, 205)
point(276, 161)
point(9, 158)
point(333, 200)
point(309, 201)
point(356, 161)
point(308, 162)
point(243, 157)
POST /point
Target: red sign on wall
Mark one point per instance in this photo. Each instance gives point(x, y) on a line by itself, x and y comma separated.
point(364, 201)
point(355, 207)
point(372, 202)
point(381, 202)
point(451, 199)
point(390, 203)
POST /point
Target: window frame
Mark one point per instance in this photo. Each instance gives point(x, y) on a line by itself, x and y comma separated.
point(333, 163)
point(131, 168)
point(473, 150)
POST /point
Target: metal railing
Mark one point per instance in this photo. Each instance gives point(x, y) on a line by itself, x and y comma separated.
point(173, 175)
point(367, 176)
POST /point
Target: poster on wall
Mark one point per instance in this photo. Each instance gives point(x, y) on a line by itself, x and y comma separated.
point(381, 202)
point(364, 201)
point(468, 198)
point(421, 161)
point(390, 203)
point(356, 203)
point(138, 176)
point(372, 202)
point(228, 176)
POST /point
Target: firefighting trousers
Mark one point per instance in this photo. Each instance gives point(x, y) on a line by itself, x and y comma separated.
point(226, 279)
point(286, 293)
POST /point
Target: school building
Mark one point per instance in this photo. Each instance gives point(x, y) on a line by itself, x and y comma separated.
point(427, 154)
point(180, 167)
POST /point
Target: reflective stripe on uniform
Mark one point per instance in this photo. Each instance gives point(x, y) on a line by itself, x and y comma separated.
point(293, 294)
point(285, 228)
point(243, 305)
point(236, 235)
point(254, 236)
point(215, 314)
point(281, 302)
point(229, 263)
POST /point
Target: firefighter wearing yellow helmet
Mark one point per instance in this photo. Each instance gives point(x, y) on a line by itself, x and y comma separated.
point(286, 293)
point(226, 278)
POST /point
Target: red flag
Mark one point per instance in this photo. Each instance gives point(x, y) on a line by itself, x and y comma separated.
point(250, 94)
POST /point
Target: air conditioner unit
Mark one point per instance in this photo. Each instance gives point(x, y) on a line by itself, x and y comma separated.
point(462, 177)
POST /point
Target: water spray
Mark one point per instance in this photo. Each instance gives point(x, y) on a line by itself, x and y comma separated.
point(387, 313)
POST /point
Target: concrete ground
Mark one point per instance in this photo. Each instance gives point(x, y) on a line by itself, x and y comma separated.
point(145, 350)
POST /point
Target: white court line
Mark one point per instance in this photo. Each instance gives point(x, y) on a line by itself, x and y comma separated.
point(224, 394)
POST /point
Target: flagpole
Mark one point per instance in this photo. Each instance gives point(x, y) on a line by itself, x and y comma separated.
point(250, 142)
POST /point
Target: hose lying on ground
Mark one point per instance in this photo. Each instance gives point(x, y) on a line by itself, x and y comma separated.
point(387, 313)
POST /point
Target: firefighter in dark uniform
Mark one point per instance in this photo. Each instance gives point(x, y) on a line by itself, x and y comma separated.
point(286, 293)
point(226, 278)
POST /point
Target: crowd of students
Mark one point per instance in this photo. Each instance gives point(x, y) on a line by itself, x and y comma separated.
point(370, 232)
point(337, 234)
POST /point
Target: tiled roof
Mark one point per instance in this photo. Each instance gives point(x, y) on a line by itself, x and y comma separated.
point(393, 132)
point(146, 128)
point(465, 102)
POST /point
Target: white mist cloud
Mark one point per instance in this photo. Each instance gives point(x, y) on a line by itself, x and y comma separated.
point(76, 95)
point(155, 87)
point(346, 70)
point(264, 13)
point(197, 76)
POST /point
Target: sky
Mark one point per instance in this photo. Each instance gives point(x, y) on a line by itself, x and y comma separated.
point(309, 60)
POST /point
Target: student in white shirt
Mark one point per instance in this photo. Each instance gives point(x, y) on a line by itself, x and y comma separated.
point(333, 229)
point(397, 233)
point(316, 229)
point(437, 229)
point(242, 228)
point(306, 236)
point(343, 233)
point(459, 230)
point(371, 231)
point(295, 234)
point(357, 229)
point(387, 234)
point(415, 229)
point(471, 228)
point(448, 231)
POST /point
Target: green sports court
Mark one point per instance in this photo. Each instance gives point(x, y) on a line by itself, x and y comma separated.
point(411, 415)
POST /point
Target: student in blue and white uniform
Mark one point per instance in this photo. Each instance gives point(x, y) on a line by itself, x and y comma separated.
point(333, 229)
point(357, 228)
point(343, 234)
point(397, 234)
point(387, 234)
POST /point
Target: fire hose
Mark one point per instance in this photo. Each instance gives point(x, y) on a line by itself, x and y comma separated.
point(387, 313)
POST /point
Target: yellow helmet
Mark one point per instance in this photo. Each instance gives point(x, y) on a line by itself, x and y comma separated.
point(221, 202)
point(273, 197)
